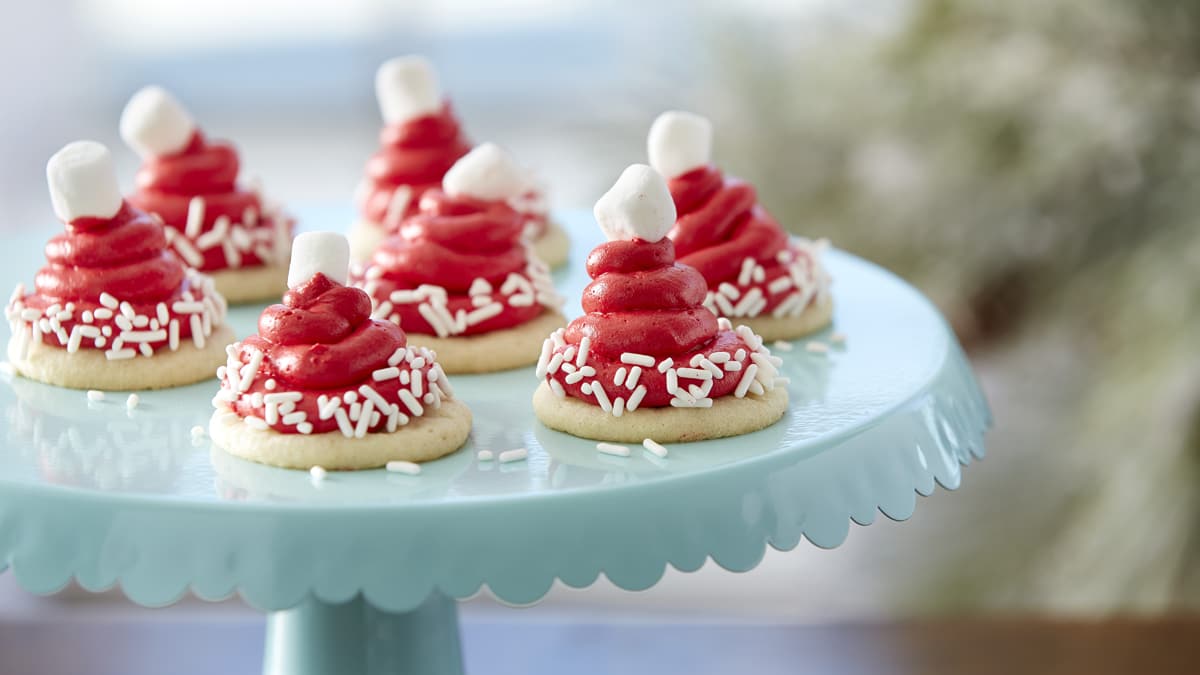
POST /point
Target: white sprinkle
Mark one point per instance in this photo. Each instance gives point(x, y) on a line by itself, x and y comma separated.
point(317, 473)
point(173, 335)
point(304, 428)
point(146, 350)
point(557, 388)
point(199, 432)
point(631, 382)
point(555, 363)
point(343, 422)
point(759, 274)
point(418, 362)
point(636, 359)
point(601, 397)
point(613, 449)
point(364, 419)
point(816, 347)
point(270, 384)
point(747, 270)
point(132, 401)
point(375, 397)
point(414, 406)
point(197, 331)
point(747, 378)
point(477, 316)
point(782, 345)
point(389, 373)
point(95, 396)
point(672, 382)
point(400, 466)
point(480, 287)
point(397, 356)
point(694, 373)
point(109, 302)
point(119, 354)
point(418, 382)
point(666, 365)
point(619, 376)
point(618, 406)
point(740, 354)
point(514, 455)
point(635, 399)
point(654, 447)
point(485, 455)
point(584, 345)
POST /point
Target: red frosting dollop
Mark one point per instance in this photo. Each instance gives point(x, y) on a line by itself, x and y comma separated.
point(720, 224)
point(452, 243)
point(320, 343)
point(166, 185)
point(642, 301)
point(416, 153)
point(126, 259)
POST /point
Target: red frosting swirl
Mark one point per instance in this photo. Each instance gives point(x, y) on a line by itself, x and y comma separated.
point(125, 257)
point(320, 343)
point(166, 185)
point(451, 244)
point(416, 153)
point(642, 301)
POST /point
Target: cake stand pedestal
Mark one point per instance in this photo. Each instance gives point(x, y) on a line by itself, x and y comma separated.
point(360, 572)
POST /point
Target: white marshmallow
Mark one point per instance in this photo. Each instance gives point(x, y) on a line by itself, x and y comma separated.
point(83, 182)
point(407, 88)
point(679, 142)
point(154, 123)
point(487, 172)
point(638, 205)
point(324, 252)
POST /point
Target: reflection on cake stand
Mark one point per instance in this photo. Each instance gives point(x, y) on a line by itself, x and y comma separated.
point(360, 573)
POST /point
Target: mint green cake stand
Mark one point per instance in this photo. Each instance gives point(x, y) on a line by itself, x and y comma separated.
point(360, 573)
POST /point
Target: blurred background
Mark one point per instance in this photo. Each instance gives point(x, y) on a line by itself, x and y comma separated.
point(1032, 165)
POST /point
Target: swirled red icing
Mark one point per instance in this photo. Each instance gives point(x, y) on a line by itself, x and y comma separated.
point(720, 225)
point(458, 267)
point(112, 284)
point(415, 154)
point(644, 310)
point(203, 176)
point(319, 358)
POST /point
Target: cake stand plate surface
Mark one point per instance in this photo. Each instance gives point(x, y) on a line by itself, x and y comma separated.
point(369, 562)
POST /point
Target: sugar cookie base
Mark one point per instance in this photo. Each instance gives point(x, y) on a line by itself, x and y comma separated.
point(490, 352)
point(553, 246)
point(365, 236)
point(815, 317)
point(250, 284)
point(439, 432)
point(728, 416)
point(90, 369)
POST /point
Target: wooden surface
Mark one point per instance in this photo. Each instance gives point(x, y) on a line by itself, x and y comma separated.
point(536, 643)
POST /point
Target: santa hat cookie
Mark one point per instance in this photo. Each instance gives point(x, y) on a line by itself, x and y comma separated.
point(459, 278)
point(323, 384)
point(647, 359)
point(756, 274)
point(229, 232)
point(113, 308)
point(420, 141)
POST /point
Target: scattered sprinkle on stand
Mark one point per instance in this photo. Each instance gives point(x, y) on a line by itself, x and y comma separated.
point(655, 448)
point(837, 338)
point(95, 396)
point(514, 455)
point(782, 345)
point(317, 473)
point(613, 449)
point(816, 347)
point(401, 466)
point(485, 455)
point(198, 432)
point(133, 401)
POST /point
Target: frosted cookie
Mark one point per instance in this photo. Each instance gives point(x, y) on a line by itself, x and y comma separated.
point(648, 359)
point(112, 308)
point(324, 384)
point(458, 276)
point(225, 230)
point(755, 272)
point(420, 141)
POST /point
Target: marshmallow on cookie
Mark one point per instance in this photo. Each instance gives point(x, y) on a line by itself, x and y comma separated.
point(113, 308)
point(648, 359)
point(214, 224)
point(420, 141)
point(755, 272)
